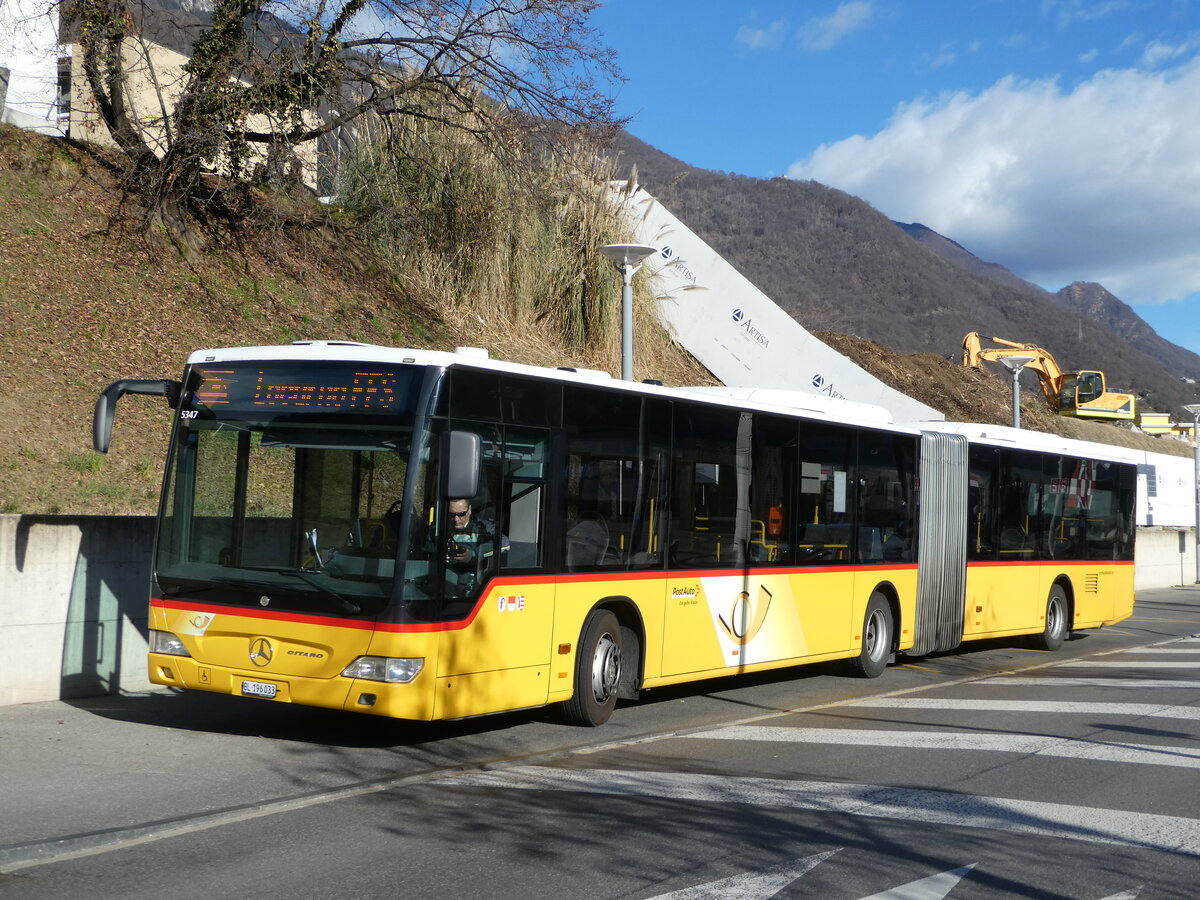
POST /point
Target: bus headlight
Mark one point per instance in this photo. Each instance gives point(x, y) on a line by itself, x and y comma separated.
point(394, 670)
point(165, 642)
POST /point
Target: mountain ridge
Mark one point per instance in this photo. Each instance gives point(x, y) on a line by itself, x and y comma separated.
point(835, 263)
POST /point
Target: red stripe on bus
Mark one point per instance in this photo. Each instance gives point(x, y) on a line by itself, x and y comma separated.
point(1089, 563)
point(498, 584)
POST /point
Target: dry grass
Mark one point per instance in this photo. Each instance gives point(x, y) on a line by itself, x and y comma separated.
point(85, 299)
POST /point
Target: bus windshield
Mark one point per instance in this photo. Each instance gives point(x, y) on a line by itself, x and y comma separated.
point(285, 487)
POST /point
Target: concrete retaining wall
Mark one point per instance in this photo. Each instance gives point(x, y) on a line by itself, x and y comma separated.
point(73, 598)
point(1166, 557)
point(73, 610)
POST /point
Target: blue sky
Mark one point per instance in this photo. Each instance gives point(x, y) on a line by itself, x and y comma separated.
point(1059, 138)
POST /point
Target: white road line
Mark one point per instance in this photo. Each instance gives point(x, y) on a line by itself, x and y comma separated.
point(1047, 706)
point(750, 886)
point(1050, 681)
point(1126, 664)
point(1027, 744)
point(1191, 651)
point(1172, 834)
point(935, 887)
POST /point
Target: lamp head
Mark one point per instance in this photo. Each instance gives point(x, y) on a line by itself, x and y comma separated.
point(1015, 364)
point(624, 255)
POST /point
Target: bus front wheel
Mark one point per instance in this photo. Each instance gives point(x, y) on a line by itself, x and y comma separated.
point(876, 639)
point(597, 671)
point(1055, 630)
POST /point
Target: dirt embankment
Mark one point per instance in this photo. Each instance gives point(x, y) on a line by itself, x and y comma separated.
point(980, 395)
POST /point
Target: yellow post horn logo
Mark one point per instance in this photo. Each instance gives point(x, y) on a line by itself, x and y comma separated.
point(746, 618)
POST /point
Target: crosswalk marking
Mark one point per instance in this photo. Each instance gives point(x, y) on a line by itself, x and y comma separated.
point(750, 886)
point(1051, 681)
point(1028, 744)
point(935, 887)
point(1125, 664)
point(1155, 710)
point(1191, 651)
point(1172, 834)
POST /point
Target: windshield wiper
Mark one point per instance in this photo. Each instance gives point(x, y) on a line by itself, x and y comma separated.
point(178, 590)
point(348, 605)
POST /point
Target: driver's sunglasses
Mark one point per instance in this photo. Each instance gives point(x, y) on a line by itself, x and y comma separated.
point(460, 515)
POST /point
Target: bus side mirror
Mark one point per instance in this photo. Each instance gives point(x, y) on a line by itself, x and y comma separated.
point(461, 462)
point(102, 420)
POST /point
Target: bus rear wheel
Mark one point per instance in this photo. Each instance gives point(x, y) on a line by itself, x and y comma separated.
point(876, 639)
point(1055, 630)
point(597, 671)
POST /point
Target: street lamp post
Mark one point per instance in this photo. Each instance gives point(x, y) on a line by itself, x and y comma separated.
point(1194, 409)
point(1015, 364)
point(628, 259)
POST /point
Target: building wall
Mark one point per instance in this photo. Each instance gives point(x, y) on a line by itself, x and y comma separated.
point(156, 80)
point(29, 50)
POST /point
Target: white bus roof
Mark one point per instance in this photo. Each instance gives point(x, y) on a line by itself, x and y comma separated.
point(762, 399)
point(1004, 436)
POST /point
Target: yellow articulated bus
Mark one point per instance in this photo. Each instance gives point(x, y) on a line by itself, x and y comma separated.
point(430, 535)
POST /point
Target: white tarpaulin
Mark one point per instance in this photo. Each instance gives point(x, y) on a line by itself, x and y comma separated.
point(736, 330)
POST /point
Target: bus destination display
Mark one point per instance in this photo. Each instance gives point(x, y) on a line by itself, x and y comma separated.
point(311, 388)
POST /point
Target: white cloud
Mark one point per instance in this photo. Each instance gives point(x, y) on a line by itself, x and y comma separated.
point(824, 33)
point(1158, 53)
point(945, 56)
point(1097, 183)
point(750, 38)
point(1068, 12)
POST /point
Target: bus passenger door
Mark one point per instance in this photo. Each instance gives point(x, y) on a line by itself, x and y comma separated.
point(1004, 591)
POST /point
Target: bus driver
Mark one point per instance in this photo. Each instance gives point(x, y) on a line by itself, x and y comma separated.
point(471, 538)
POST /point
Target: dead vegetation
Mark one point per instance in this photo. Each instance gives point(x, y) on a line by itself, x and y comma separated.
point(980, 395)
point(85, 299)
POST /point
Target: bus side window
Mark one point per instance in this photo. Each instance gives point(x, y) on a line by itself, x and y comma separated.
point(825, 511)
point(524, 504)
point(705, 486)
point(1062, 513)
point(772, 491)
point(886, 469)
point(981, 503)
point(1019, 512)
point(612, 505)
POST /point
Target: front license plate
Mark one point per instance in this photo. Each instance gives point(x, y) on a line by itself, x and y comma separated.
point(259, 689)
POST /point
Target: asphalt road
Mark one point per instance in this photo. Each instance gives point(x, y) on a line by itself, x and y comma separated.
point(994, 772)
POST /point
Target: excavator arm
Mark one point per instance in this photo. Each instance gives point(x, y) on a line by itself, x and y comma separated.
point(1068, 393)
point(1050, 376)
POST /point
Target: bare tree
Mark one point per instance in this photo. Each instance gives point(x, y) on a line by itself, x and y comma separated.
point(278, 74)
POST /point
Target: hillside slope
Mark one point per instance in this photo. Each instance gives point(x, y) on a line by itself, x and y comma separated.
point(837, 264)
point(85, 300)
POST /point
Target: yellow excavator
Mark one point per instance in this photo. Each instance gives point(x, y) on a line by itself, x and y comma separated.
point(1069, 393)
